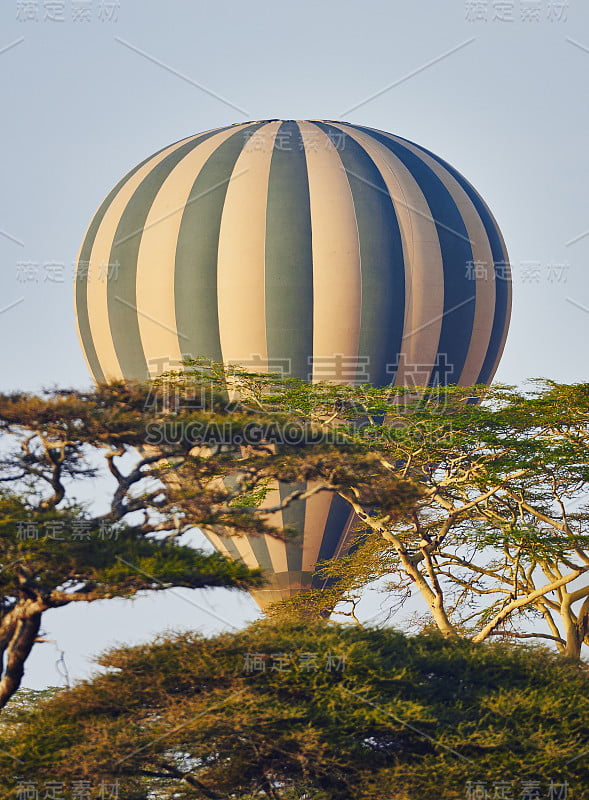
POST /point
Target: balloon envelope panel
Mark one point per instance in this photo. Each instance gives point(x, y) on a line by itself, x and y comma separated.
point(326, 251)
point(320, 250)
point(323, 524)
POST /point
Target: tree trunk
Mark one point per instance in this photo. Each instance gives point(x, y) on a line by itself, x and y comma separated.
point(17, 652)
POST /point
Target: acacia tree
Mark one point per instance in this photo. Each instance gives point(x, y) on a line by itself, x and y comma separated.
point(289, 710)
point(500, 532)
point(497, 535)
point(501, 529)
point(474, 503)
point(53, 551)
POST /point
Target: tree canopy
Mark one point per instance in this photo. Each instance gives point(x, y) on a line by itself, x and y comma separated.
point(53, 549)
point(296, 709)
point(474, 498)
point(478, 495)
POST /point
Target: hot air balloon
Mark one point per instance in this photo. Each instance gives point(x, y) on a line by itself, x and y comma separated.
point(323, 250)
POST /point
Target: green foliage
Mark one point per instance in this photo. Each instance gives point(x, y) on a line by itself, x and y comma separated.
point(394, 717)
point(54, 551)
point(474, 496)
point(118, 563)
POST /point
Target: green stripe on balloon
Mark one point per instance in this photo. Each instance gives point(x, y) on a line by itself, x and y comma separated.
point(337, 519)
point(230, 546)
point(259, 546)
point(289, 256)
point(293, 516)
point(459, 290)
point(122, 293)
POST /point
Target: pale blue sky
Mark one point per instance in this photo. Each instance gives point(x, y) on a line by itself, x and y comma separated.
point(85, 99)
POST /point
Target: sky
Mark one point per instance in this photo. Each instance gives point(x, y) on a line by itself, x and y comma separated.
point(91, 87)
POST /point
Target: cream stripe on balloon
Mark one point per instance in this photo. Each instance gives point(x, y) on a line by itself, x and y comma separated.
point(241, 256)
point(100, 255)
point(157, 254)
point(244, 549)
point(337, 280)
point(484, 285)
point(76, 309)
point(316, 512)
point(276, 547)
point(217, 543)
point(424, 275)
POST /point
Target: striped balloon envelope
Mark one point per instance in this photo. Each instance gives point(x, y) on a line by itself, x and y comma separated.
point(321, 250)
